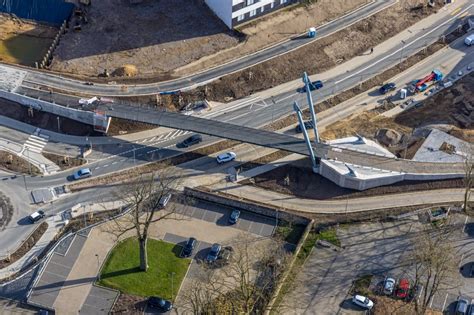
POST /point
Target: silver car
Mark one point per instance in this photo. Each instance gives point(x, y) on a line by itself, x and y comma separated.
point(388, 286)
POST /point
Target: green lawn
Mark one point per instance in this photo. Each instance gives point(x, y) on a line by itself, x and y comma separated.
point(121, 270)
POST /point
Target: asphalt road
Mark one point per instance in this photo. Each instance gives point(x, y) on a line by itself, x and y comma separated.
point(213, 73)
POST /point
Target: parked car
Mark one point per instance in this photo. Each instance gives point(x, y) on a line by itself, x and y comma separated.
point(82, 173)
point(461, 307)
point(388, 286)
point(403, 288)
point(315, 85)
point(362, 301)
point(189, 247)
point(307, 125)
point(226, 157)
point(160, 303)
point(471, 310)
point(384, 89)
point(164, 200)
point(213, 253)
point(234, 217)
point(36, 216)
point(194, 139)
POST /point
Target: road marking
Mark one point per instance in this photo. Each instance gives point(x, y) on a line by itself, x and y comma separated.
point(456, 11)
point(106, 165)
point(115, 162)
point(402, 48)
point(97, 167)
point(464, 14)
point(465, 223)
point(444, 304)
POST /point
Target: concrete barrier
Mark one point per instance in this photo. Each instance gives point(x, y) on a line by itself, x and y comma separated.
point(247, 205)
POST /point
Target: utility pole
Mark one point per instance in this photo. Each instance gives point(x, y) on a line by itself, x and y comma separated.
point(311, 108)
point(98, 266)
point(29, 162)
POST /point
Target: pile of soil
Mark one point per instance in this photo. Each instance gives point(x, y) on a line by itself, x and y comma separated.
point(299, 180)
point(129, 304)
point(13, 163)
point(388, 137)
point(125, 71)
point(26, 246)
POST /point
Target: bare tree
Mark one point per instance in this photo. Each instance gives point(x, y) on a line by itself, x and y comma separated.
point(244, 286)
point(434, 262)
point(145, 195)
point(468, 180)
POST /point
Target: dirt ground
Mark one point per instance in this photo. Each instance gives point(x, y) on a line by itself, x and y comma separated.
point(63, 162)
point(326, 53)
point(7, 211)
point(299, 180)
point(24, 42)
point(13, 163)
point(156, 36)
point(452, 109)
point(386, 305)
point(275, 28)
point(163, 37)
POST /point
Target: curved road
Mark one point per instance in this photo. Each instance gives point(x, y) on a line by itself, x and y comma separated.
point(208, 75)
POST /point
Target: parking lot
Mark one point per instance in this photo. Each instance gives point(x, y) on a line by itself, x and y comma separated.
point(379, 249)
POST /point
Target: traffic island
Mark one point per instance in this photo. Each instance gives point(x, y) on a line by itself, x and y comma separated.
point(164, 276)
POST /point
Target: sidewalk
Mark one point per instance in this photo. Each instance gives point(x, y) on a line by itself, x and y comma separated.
point(55, 224)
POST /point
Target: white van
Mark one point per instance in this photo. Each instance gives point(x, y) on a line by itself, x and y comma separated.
point(469, 40)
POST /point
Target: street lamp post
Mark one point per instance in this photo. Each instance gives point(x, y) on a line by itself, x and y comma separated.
point(59, 127)
point(29, 161)
point(98, 266)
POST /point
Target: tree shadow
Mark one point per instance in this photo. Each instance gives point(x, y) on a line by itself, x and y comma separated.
point(120, 272)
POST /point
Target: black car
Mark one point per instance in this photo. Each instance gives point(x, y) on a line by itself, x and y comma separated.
point(160, 303)
point(307, 125)
point(387, 88)
point(315, 85)
point(189, 247)
point(194, 139)
point(164, 200)
point(234, 217)
point(213, 253)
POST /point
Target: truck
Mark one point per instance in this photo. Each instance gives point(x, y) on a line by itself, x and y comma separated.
point(434, 77)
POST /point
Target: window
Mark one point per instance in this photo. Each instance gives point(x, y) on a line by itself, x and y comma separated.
point(250, 2)
point(240, 17)
point(253, 13)
point(284, 1)
point(272, 4)
point(262, 9)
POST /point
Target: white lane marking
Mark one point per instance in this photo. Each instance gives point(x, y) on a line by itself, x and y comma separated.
point(97, 167)
point(465, 222)
point(444, 304)
point(106, 165)
point(115, 162)
point(403, 47)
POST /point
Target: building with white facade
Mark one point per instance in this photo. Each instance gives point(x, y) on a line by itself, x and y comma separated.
point(235, 12)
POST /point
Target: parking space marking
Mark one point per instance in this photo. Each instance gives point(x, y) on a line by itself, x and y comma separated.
point(445, 299)
point(465, 223)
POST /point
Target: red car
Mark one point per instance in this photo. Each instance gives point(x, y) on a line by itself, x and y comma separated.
point(403, 288)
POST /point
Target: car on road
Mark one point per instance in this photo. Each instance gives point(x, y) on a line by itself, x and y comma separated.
point(234, 217)
point(188, 249)
point(307, 125)
point(194, 139)
point(226, 157)
point(160, 304)
point(36, 216)
point(315, 85)
point(388, 286)
point(384, 89)
point(403, 288)
point(164, 200)
point(213, 253)
point(461, 307)
point(362, 301)
point(82, 173)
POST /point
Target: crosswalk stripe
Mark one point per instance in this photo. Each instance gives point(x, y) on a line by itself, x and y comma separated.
point(35, 143)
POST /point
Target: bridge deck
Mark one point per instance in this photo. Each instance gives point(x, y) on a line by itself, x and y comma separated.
point(276, 140)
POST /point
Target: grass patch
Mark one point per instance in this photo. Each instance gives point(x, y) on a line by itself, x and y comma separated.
point(121, 270)
point(290, 233)
point(362, 284)
point(330, 236)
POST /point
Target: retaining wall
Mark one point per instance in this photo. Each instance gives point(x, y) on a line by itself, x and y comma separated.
point(82, 116)
point(241, 203)
point(48, 11)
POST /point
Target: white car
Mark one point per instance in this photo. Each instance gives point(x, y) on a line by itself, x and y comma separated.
point(226, 157)
point(362, 301)
point(388, 286)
